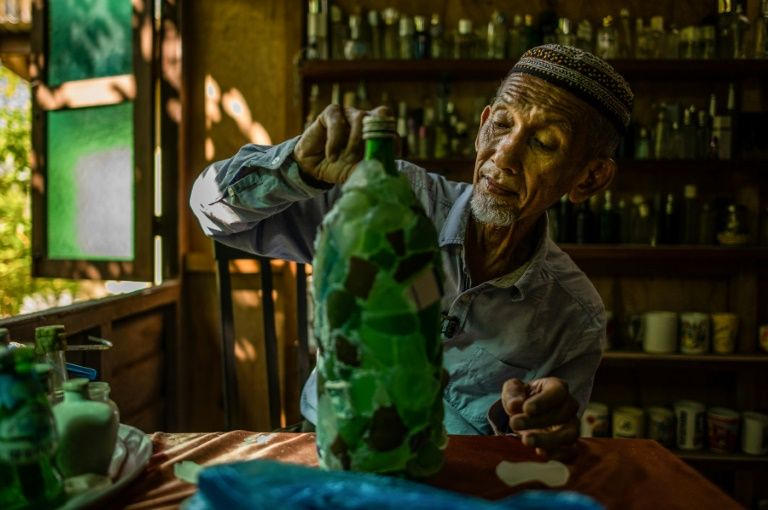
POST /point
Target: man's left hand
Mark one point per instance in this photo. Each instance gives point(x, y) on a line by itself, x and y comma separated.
point(543, 412)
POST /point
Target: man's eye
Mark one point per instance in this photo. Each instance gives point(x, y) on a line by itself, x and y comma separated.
point(500, 124)
point(541, 145)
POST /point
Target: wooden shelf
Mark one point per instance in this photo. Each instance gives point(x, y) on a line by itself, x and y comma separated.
point(632, 357)
point(629, 259)
point(484, 70)
point(704, 456)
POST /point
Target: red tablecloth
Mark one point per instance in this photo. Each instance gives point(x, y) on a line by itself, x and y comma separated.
point(620, 473)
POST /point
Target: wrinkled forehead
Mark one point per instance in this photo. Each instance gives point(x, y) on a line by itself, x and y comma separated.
point(525, 92)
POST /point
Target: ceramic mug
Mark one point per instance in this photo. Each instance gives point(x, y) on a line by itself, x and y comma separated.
point(694, 333)
point(690, 424)
point(661, 425)
point(658, 331)
point(724, 329)
point(754, 436)
point(762, 337)
point(723, 429)
point(595, 422)
point(628, 422)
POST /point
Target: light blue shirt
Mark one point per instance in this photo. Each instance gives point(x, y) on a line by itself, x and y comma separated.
point(548, 322)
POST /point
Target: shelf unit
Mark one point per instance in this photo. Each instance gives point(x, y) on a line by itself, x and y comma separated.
point(721, 459)
point(618, 358)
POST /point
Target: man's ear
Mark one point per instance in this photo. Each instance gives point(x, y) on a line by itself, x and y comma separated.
point(596, 175)
point(483, 118)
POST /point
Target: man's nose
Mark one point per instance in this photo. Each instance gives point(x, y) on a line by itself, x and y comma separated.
point(509, 151)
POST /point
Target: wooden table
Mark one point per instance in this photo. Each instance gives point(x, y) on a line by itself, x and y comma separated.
point(619, 473)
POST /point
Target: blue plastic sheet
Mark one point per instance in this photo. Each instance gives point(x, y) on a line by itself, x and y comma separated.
point(263, 484)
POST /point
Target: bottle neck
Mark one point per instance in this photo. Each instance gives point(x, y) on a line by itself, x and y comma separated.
point(382, 149)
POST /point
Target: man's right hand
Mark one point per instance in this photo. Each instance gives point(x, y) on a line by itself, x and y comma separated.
point(331, 147)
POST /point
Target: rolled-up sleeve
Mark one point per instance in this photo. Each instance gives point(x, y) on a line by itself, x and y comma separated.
point(260, 201)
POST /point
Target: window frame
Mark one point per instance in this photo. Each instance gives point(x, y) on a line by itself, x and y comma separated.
point(151, 130)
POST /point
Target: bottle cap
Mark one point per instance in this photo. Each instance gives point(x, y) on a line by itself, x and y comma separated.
point(420, 22)
point(465, 26)
point(690, 191)
point(624, 12)
point(373, 18)
point(390, 16)
point(378, 126)
point(564, 25)
point(435, 20)
point(657, 23)
point(528, 20)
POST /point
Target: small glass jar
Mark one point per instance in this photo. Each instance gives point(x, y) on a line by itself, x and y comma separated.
point(99, 391)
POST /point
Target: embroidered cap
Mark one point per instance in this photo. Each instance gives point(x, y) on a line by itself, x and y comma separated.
point(584, 75)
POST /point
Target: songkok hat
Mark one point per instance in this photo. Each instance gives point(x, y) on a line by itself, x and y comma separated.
point(584, 75)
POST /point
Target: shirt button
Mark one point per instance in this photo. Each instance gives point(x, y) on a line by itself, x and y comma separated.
point(276, 160)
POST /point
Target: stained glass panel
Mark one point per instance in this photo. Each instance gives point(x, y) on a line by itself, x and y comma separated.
point(90, 187)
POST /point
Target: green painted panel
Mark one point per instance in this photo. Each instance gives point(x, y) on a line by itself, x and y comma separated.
point(89, 39)
point(90, 187)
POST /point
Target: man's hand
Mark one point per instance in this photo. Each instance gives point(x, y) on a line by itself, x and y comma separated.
point(543, 412)
point(332, 145)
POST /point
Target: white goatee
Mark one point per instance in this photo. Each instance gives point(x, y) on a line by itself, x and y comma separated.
point(486, 209)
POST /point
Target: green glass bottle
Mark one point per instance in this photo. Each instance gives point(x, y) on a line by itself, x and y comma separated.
point(377, 288)
point(28, 437)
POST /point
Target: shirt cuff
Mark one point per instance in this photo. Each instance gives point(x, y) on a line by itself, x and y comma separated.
point(499, 420)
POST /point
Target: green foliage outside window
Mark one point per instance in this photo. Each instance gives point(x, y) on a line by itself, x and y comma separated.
point(16, 283)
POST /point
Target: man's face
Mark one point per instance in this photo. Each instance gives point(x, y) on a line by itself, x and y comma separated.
point(530, 148)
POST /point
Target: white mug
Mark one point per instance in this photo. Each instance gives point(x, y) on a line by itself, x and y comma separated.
point(595, 422)
point(690, 424)
point(754, 435)
point(628, 422)
point(659, 332)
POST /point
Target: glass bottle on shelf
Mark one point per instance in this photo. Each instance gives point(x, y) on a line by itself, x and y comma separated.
point(565, 33)
point(642, 50)
point(374, 27)
point(516, 42)
point(349, 100)
point(314, 20)
point(676, 142)
point(336, 94)
point(708, 42)
point(436, 38)
point(760, 45)
point(422, 47)
point(99, 392)
point(727, 27)
point(688, 134)
point(314, 105)
point(707, 224)
point(339, 34)
point(643, 144)
point(610, 222)
point(391, 41)
point(734, 232)
point(670, 221)
point(361, 99)
point(672, 43)
point(688, 43)
point(625, 40)
point(607, 40)
point(656, 37)
point(642, 221)
point(661, 135)
point(402, 127)
point(355, 48)
point(702, 135)
point(742, 33)
point(530, 33)
point(584, 36)
point(406, 34)
point(690, 213)
point(464, 45)
point(496, 40)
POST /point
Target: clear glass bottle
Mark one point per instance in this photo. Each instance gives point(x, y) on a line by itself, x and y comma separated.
point(407, 39)
point(355, 48)
point(760, 46)
point(661, 135)
point(99, 391)
point(625, 37)
point(690, 221)
point(374, 28)
point(727, 28)
point(515, 40)
point(742, 33)
point(642, 42)
point(688, 45)
point(50, 345)
point(314, 39)
point(422, 46)
point(672, 43)
point(391, 40)
point(368, 420)
point(464, 45)
point(496, 40)
point(339, 33)
point(607, 40)
point(585, 36)
point(565, 33)
point(656, 37)
point(709, 42)
point(436, 38)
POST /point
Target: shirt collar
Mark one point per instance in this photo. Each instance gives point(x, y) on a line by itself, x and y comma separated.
point(455, 229)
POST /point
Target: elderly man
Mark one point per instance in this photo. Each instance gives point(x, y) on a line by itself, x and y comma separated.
point(524, 327)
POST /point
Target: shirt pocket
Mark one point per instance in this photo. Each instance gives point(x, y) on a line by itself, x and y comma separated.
point(488, 372)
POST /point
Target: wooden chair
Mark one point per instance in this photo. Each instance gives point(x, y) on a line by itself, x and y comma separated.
point(223, 255)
